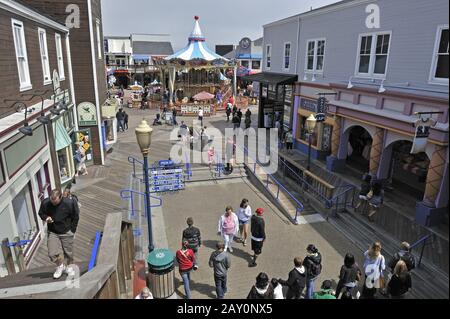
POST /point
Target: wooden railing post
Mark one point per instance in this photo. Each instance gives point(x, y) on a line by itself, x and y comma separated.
point(18, 250)
point(7, 255)
point(121, 270)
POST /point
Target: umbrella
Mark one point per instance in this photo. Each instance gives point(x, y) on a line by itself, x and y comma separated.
point(203, 96)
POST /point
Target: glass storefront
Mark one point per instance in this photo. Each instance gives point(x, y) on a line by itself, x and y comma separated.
point(24, 214)
point(66, 165)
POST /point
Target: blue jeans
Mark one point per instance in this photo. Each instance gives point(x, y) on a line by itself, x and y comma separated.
point(310, 288)
point(186, 280)
point(221, 286)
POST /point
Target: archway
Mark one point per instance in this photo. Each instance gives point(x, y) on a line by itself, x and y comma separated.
point(408, 172)
point(358, 149)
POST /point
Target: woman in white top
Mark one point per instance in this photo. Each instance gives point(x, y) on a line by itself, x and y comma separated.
point(228, 227)
point(244, 215)
point(374, 265)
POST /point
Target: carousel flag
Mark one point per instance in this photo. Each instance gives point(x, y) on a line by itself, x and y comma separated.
point(422, 133)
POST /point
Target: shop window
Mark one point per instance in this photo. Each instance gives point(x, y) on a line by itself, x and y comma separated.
point(304, 132)
point(287, 56)
point(245, 63)
point(111, 131)
point(44, 56)
point(24, 214)
point(268, 56)
point(256, 65)
point(6, 231)
point(65, 161)
point(59, 56)
point(2, 174)
point(441, 57)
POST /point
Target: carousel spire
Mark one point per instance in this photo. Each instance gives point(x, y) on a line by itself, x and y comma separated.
point(197, 34)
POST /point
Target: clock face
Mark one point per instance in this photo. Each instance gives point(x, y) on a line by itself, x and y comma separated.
point(245, 43)
point(87, 114)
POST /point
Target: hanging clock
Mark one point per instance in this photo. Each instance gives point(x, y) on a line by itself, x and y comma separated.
point(87, 114)
point(245, 43)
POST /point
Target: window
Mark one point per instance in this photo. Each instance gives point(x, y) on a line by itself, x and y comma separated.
point(245, 63)
point(315, 56)
point(440, 58)
point(24, 214)
point(268, 56)
point(99, 41)
point(287, 56)
point(21, 55)
point(373, 54)
point(256, 65)
point(59, 56)
point(44, 56)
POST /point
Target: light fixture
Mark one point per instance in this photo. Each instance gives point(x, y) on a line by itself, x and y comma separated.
point(42, 118)
point(26, 129)
point(144, 137)
point(382, 89)
point(314, 78)
point(63, 104)
point(305, 78)
point(311, 123)
point(350, 84)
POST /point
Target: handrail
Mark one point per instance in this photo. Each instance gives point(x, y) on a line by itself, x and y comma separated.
point(131, 197)
point(94, 251)
point(420, 241)
point(133, 161)
point(299, 209)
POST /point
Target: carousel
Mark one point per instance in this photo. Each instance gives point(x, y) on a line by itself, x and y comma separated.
point(196, 75)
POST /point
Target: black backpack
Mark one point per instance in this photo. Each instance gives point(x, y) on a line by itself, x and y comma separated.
point(315, 268)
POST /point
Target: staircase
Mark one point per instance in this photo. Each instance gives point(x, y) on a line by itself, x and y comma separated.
point(428, 281)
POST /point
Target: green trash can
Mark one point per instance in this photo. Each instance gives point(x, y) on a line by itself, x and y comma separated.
point(161, 274)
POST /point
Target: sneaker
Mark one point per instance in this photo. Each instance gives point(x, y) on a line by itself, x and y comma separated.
point(69, 271)
point(244, 243)
point(195, 267)
point(230, 249)
point(59, 271)
point(253, 264)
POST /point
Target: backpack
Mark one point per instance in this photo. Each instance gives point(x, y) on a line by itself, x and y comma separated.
point(315, 269)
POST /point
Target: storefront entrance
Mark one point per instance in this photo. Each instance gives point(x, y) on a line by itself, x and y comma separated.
point(358, 150)
point(408, 172)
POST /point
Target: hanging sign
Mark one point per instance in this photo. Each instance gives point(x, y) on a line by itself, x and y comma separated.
point(87, 114)
point(422, 133)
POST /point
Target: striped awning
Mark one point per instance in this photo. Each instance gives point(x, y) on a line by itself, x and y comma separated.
point(196, 49)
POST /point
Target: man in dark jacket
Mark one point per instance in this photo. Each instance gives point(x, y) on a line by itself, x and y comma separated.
point(193, 237)
point(296, 281)
point(405, 255)
point(258, 230)
point(125, 120)
point(221, 262)
point(61, 215)
point(313, 266)
point(120, 116)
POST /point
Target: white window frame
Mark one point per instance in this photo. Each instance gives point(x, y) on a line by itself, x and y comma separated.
point(60, 57)
point(99, 42)
point(25, 84)
point(432, 79)
point(371, 74)
point(284, 56)
point(44, 56)
point(268, 55)
point(316, 47)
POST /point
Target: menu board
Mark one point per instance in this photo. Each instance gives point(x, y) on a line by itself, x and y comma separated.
point(287, 106)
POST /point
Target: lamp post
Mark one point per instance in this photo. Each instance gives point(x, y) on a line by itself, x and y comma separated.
point(144, 139)
point(311, 123)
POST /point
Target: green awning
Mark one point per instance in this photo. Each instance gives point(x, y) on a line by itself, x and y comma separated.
point(62, 139)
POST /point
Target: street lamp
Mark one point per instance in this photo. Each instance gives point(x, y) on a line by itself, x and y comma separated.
point(311, 123)
point(144, 139)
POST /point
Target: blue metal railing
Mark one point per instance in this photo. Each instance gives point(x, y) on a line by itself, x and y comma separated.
point(92, 261)
point(19, 243)
point(219, 165)
point(133, 161)
point(299, 208)
point(422, 241)
point(131, 193)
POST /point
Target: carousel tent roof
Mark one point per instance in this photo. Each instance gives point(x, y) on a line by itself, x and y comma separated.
point(196, 48)
point(203, 96)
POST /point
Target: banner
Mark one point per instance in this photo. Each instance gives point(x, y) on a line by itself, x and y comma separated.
point(422, 134)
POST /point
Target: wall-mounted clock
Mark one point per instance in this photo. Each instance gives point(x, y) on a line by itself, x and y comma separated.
point(87, 114)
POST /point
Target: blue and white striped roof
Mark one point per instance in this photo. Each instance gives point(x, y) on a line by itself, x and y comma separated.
point(196, 49)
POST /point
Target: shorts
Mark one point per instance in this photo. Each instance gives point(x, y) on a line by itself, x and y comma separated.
point(257, 247)
point(244, 223)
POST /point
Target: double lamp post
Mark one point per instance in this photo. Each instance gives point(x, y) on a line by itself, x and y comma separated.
point(311, 123)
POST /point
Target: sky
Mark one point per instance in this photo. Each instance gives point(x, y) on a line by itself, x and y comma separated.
point(221, 22)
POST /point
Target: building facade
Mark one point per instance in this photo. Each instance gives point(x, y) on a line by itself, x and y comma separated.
point(84, 18)
point(37, 120)
point(381, 78)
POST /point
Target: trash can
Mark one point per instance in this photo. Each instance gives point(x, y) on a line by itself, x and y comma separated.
point(161, 274)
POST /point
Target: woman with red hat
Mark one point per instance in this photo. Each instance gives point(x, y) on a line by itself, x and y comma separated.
point(258, 230)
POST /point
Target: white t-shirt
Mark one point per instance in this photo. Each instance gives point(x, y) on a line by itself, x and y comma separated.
point(278, 292)
point(245, 214)
point(200, 113)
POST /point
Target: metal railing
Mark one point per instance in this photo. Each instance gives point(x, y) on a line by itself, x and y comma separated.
point(422, 241)
point(299, 206)
point(131, 196)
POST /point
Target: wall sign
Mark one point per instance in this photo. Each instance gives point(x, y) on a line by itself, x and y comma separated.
point(422, 133)
point(87, 114)
point(309, 105)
